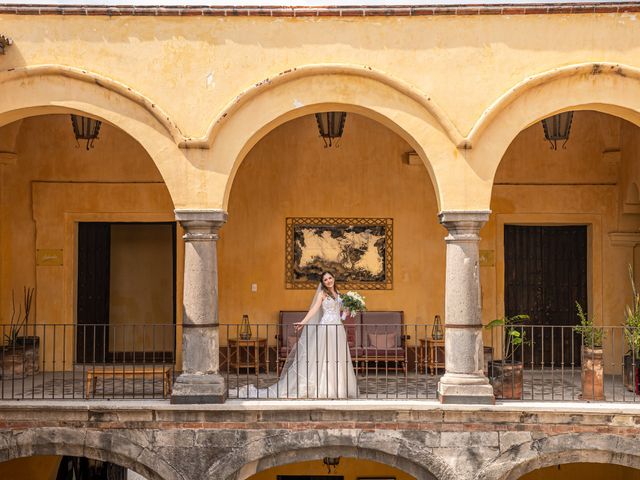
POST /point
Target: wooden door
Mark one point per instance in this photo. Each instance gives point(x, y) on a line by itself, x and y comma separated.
point(94, 246)
point(545, 274)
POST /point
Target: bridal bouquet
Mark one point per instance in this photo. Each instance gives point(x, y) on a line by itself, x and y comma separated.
point(354, 302)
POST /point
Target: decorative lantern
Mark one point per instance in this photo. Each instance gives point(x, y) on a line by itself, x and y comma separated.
point(437, 333)
point(331, 462)
point(4, 43)
point(245, 328)
point(85, 128)
point(557, 127)
point(331, 126)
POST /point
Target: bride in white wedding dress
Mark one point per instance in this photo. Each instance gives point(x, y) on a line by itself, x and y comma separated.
point(319, 365)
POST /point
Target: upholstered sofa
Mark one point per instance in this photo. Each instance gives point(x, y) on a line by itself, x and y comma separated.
point(374, 337)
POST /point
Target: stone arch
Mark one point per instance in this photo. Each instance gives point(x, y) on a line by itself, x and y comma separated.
point(309, 89)
point(286, 447)
point(605, 87)
point(562, 449)
point(48, 89)
point(107, 446)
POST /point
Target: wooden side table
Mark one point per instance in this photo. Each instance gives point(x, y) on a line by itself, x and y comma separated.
point(433, 350)
point(245, 354)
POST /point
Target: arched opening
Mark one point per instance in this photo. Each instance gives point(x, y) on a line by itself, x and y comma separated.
point(55, 467)
point(314, 88)
point(573, 451)
point(290, 178)
point(339, 468)
point(42, 450)
point(295, 450)
point(586, 471)
point(556, 219)
point(89, 233)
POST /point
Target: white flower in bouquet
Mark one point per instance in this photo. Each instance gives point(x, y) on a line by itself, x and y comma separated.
point(354, 302)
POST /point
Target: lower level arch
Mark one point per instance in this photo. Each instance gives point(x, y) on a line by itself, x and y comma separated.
point(412, 457)
point(561, 450)
point(111, 447)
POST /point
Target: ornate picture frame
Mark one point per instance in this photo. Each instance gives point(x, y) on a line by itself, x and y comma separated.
point(358, 251)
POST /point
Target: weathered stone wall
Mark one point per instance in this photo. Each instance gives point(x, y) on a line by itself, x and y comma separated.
point(233, 441)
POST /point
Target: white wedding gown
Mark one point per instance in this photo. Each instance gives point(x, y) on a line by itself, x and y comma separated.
point(318, 366)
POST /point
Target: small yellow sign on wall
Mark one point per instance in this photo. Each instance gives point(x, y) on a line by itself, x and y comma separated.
point(487, 258)
point(48, 257)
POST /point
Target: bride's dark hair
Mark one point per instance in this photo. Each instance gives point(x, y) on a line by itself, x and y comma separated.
point(324, 288)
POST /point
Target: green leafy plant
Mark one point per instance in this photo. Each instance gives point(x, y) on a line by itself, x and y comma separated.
point(592, 336)
point(632, 319)
point(515, 336)
point(19, 320)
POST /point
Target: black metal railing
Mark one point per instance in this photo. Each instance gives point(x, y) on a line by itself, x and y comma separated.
point(557, 363)
point(59, 361)
point(389, 361)
point(365, 361)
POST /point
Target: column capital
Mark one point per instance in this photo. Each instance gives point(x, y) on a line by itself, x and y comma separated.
point(201, 225)
point(464, 216)
point(463, 224)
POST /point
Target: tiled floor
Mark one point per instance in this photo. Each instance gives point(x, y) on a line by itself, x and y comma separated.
point(72, 384)
point(539, 385)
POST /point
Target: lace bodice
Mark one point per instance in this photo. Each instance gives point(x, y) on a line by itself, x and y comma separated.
point(331, 310)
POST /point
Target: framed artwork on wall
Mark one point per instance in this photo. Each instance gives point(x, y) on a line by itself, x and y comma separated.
point(358, 251)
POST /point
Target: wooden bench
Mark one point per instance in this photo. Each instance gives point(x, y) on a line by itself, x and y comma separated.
point(361, 330)
point(146, 372)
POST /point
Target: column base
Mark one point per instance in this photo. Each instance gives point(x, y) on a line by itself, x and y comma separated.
point(194, 388)
point(465, 389)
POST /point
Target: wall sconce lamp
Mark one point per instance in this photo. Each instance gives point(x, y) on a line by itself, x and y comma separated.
point(557, 127)
point(331, 126)
point(85, 128)
point(4, 43)
point(331, 462)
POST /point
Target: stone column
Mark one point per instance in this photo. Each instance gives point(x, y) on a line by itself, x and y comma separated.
point(464, 380)
point(200, 381)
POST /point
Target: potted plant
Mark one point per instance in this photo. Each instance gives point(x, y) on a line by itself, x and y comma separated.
point(632, 337)
point(506, 374)
point(592, 364)
point(20, 354)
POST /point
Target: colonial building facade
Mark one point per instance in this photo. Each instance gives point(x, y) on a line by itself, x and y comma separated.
point(148, 246)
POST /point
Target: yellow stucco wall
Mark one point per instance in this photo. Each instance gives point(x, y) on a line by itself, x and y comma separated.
point(52, 186)
point(291, 174)
point(584, 471)
point(33, 468)
point(188, 95)
point(349, 468)
point(444, 82)
point(141, 288)
point(583, 185)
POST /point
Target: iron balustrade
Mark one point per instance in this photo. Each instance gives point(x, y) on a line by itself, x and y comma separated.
point(390, 360)
point(555, 363)
point(60, 361)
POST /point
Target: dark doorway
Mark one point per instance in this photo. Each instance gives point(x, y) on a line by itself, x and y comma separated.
point(92, 334)
point(545, 274)
point(81, 468)
point(117, 273)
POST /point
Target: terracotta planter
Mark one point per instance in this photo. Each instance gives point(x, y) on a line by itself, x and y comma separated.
point(506, 379)
point(592, 374)
point(632, 374)
point(20, 359)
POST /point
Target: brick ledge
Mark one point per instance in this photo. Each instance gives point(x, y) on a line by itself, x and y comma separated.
point(335, 11)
